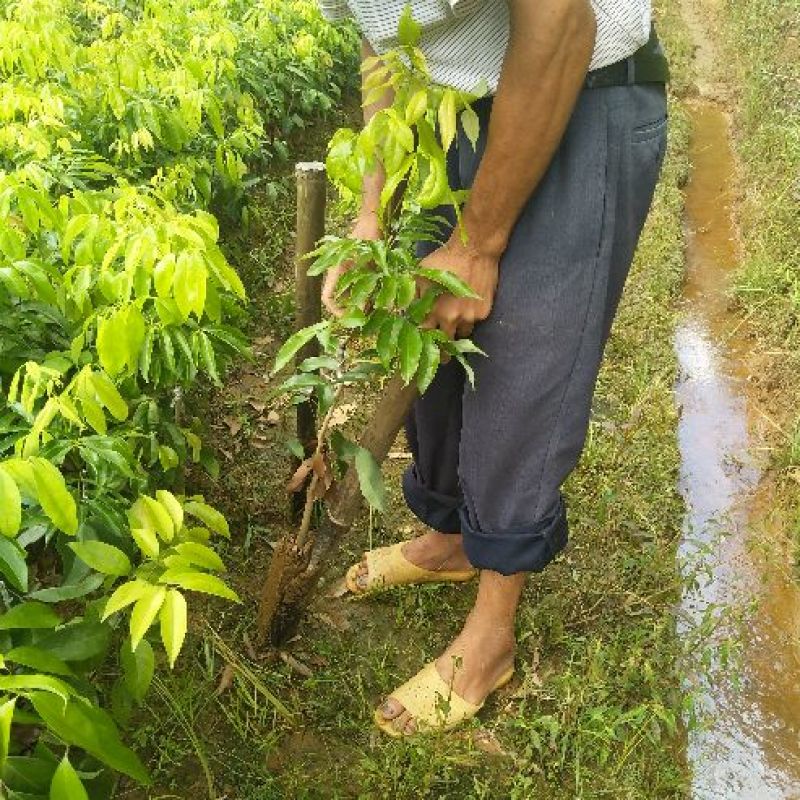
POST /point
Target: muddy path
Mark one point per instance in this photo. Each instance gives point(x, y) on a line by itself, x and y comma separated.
point(748, 744)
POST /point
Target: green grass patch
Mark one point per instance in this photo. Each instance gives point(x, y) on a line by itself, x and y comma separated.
point(765, 37)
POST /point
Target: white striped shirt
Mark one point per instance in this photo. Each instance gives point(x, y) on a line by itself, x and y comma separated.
point(465, 41)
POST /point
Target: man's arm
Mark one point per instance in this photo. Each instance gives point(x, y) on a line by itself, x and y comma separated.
point(367, 223)
point(549, 51)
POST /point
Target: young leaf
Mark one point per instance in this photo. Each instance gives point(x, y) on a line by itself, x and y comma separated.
point(173, 624)
point(208, 516)
point(102, 557)
point(199, 582)
point(124, 595)
point(147, 541)
point(145, 611)
point(471, 125)
point(38, 659)
point(201, 556)
point(428, 363)
point(109, 395)
point(172, 505)
point(149, 513)
point(10, 505)
point(54, 497)
point(66, 785)
point(370, 479)
point(408, 29)
point(447, 118)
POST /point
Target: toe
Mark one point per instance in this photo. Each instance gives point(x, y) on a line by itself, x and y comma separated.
point(361, 574)
point(391, 708)
point(411, 726)
point(399, 723)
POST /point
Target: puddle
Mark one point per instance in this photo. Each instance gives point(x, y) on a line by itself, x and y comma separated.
point(748, 747)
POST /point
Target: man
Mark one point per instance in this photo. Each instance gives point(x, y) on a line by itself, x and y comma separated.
point(561, 181)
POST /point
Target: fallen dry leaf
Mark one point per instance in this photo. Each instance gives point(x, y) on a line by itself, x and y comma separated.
point(297, 481)
point(295, 664)
point(234, 425)
point(273, 418)
point(488, 743)
point(341, 414)
point(226, 679)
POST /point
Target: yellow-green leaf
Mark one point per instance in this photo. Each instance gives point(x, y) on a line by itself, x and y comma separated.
point(145, 611)
point(201, 555)
point(149, 513)
point(447, 118)
point(10, 505)
point(209, 516)
point(199, 582)
point(147, 541)
point(173, 506)
point(124, 595)
point(173, 624)
point(54, 497)
point(6, 715)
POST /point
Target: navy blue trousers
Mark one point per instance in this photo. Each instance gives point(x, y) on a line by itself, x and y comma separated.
point(489, 462)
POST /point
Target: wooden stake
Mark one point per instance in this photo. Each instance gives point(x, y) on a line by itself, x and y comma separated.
point(311, 195)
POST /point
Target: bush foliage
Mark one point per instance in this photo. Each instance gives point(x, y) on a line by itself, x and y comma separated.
point(124, 127)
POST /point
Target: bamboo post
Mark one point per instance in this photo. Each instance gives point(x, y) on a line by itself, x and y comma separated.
point(311, 197)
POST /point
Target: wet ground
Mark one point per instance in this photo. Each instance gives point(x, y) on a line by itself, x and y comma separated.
point(748, 745)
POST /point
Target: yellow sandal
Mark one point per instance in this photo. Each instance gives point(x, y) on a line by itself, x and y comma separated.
point(432, 703)
point(387, 567)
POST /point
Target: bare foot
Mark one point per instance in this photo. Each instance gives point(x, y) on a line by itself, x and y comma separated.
point(433, 550)
point(473, 664)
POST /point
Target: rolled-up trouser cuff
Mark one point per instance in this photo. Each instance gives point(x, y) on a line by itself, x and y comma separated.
point(437, 511)
point(528, 549)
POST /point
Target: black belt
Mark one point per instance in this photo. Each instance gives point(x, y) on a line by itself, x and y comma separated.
point(646, 65)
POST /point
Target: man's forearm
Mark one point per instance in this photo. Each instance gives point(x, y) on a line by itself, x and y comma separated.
point(374, 181)
point(548, 55)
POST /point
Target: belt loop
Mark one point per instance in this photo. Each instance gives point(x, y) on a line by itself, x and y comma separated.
point(631, 70)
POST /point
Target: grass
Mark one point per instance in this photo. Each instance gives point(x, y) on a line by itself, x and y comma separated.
point(765, 37)
point(595, 709)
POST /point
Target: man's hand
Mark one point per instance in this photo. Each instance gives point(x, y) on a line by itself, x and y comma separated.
point(366, 227)
point(456, 316)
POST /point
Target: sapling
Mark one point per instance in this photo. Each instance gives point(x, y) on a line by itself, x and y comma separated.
point(379, 342)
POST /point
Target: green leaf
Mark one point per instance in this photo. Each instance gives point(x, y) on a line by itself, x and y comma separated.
point(54, 497)
point(209, 359)
point(173, 624)
point(199, 582)
point(294, 343)
point(428, 363)
point(410, 348)
point(447, 118)
point(12, 564)
point(452, 283)
point(68, 591)
point(38, 659)
point(6, 716)
point(200, 555)
point(29, 615)
point(209, 516)
point(90, 728)
point(10, 505)
point(124, 595)
point(102, 557)
point(370, 479)
point(78, 641)
point(138, 666)
point(145, 611)
point(21, 684)
point(66, 784)
point(408, 30)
